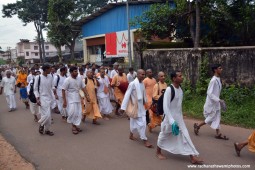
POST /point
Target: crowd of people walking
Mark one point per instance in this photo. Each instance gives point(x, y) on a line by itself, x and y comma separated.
point(88, 92)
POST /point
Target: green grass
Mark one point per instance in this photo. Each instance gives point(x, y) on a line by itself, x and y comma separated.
point(242, 114)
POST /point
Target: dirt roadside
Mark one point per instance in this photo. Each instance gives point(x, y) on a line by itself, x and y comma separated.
point(10, 159)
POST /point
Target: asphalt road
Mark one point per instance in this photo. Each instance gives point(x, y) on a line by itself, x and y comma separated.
point(107, 147)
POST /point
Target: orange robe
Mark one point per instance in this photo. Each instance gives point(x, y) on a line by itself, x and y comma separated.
point(251, 142)
point(149, 84)
point(22, 78)
point(154, 119)
point(91, 108)
point(116, 80)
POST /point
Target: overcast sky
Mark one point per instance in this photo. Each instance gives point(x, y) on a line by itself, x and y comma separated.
point(12, 29)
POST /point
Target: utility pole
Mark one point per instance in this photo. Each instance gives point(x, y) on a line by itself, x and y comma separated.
point(129, 36)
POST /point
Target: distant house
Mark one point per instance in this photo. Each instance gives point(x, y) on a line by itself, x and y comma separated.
point(105, 32)
point(30, 51)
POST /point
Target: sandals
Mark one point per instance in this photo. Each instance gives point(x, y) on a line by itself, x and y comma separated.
point(41, 129)
point(237, 149)
point(49, 133)
point(78, 129)
point(219, 136)
point(197, 162)
point(196, 128)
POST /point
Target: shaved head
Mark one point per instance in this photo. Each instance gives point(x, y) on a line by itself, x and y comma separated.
point(161, 76)
point(140, 75)
point(140, 71)
point(148, 70)
point(161, 73)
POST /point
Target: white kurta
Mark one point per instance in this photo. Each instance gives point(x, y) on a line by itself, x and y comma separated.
point(113, 73)
point(105, 105)
point(45, 93)
point(138, 124)
point(8, 85)
point(182, 143)
point(59, 85)
point(212, 111)
point(72, 87)
point(34, 108)
point(131, 77)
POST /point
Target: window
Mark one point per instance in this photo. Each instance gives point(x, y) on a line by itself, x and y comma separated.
point(27, 53)
point(47, 53)
point(36, 54)
point(47, 47)
point(35, 47)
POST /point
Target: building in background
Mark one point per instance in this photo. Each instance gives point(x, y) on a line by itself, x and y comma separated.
point(105, 33)
point(30, 51)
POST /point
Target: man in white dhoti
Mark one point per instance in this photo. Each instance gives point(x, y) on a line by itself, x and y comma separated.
point(58, 84)
point(212, 107)
point(70, 90)
point(174, 136)
point(103, 96)
point(8, 84)
point(136, 89)
point(43, 90)
point(34, 108)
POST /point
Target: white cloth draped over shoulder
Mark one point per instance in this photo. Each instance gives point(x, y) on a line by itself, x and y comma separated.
point(212, 110)
point(136, 91)
point(180, 144)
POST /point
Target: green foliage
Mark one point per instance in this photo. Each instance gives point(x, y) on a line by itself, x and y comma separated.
point(2, 62)
point(203, 80)
point(158, 21)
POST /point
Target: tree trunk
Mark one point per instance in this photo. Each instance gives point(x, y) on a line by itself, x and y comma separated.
point(59, 54)
point(39, 40)
point(192, 23)
point(197, 37)
point(42, 42)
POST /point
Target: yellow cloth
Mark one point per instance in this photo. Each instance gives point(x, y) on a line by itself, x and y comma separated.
point(22, 78)
point(251, 142)
point(116, 80)
point(91, 108)
point(154, 119)
point(149, 84)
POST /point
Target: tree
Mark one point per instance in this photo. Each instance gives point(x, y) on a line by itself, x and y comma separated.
point(30, 11)
point(63, 14)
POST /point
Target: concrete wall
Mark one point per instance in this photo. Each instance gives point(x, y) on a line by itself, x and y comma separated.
point(238, 62)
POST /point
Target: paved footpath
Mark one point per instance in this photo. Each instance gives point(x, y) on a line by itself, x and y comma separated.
point(107, 147)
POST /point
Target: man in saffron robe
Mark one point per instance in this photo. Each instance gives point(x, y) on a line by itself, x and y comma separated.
point(155, 120)
point(250, 142)
point(91, 107)
point(117, 81)
point(149, 83)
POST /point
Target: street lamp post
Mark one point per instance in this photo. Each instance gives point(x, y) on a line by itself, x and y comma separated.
point(129, 36)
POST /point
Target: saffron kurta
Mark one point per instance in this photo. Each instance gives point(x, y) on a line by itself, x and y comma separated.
point(22, 78)
point(116, 80)
point(212, 111)
point(157, 92)
point(92, 109)
point(180, 144)
point(149, 84)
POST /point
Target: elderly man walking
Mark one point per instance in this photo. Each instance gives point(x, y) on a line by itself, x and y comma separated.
point(136, 90)
point(8, 84)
